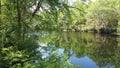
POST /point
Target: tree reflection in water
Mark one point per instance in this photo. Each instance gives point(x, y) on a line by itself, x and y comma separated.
point(102, 49)
point(61, 49)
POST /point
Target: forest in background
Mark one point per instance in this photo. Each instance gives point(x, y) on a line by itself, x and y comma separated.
point(19, 18)
point(81, 15)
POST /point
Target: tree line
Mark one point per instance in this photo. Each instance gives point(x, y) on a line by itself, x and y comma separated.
point(20, 18)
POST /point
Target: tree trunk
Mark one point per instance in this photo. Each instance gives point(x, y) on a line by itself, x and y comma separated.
point(0, 11)
point(19, 18)
point(37, 7)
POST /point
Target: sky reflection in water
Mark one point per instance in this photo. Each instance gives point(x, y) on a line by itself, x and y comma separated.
point(84, 49)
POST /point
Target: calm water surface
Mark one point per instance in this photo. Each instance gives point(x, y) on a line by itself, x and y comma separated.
point(87, 50)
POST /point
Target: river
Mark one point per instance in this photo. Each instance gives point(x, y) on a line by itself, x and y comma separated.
point(87, 50)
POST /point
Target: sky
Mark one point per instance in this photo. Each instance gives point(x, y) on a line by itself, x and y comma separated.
point(93, 0)
point(71, 1)
point(76, 0)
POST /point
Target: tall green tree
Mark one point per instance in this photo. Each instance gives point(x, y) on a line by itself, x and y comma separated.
point(19, 18)
point(103, 13)
point(0, 10)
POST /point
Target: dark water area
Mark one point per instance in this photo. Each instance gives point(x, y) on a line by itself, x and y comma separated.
point(87, 50)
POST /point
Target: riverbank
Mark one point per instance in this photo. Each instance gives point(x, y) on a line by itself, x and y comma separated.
point(112, 31)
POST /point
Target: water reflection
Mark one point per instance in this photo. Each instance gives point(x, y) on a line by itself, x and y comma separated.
point(84, 62)
point(87, 50)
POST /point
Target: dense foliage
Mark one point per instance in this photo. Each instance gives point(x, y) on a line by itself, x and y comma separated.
point(19, 19)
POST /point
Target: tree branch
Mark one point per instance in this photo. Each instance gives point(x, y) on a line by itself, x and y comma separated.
point(37, 7)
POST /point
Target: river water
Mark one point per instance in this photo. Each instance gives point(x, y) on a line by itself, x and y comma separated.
point(87, 50)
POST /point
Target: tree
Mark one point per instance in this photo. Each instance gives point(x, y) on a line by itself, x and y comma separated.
point(104, 12)
point(0, 10)
point(18, 20)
